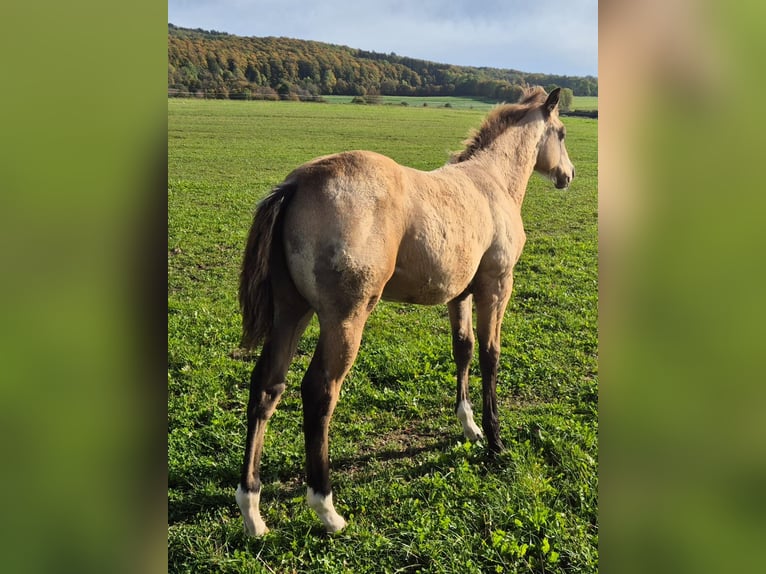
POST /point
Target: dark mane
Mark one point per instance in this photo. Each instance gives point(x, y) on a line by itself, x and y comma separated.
point(498, 120)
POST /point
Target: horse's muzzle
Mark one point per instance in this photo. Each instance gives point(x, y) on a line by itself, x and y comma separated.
point(562, 179)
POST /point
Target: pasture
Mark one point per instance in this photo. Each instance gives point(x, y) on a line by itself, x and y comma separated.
point(417, 496)
point(579, 103)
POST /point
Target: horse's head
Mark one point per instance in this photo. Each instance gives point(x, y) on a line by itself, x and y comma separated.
point(552, 157)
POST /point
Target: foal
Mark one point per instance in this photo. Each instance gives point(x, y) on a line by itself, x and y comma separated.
point(346, 230)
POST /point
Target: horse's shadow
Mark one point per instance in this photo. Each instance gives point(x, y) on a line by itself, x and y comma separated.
point(192, 503)
point(391, 454)
point(189, 502)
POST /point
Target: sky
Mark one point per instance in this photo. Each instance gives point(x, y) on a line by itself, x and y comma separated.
point(535, 36)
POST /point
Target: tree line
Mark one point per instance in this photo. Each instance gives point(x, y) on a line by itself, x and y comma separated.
point(218, 65)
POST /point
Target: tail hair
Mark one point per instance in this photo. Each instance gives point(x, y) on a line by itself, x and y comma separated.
point(256, 297)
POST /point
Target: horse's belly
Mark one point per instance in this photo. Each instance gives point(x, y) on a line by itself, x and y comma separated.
point(437, 257)
point(426, 286)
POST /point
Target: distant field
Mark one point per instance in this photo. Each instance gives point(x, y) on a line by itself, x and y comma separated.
point(417, 496)
point(422, 101)
point(580, 102)
point(585, 103)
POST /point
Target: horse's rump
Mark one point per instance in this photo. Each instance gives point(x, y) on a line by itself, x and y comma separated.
point(343, 228)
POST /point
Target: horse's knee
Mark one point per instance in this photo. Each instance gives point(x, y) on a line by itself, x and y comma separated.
point(463, 335)
point(489, 355)
point(462, 343)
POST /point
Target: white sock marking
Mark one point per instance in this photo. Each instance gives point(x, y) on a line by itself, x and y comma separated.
point(465, 416)
point(325, 509)
point(249, 503)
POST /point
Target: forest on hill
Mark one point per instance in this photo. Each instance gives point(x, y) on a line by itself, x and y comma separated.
point(218, 65)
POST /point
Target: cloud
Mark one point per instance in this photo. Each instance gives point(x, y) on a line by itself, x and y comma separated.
point(545, 36)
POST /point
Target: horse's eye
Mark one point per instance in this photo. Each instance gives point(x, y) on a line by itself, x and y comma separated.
point(562, 134)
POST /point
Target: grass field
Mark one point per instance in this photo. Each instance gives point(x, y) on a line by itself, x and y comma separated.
point(417, 496)
point(579, 103)
point(585, 103)
point(422, 101)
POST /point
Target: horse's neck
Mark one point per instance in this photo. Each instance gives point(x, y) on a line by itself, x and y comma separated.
point(512, 157)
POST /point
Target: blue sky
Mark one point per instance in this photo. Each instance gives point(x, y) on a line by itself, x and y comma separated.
point(546, 36)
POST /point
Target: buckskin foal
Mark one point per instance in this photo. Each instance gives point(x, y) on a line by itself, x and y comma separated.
point(344, 231)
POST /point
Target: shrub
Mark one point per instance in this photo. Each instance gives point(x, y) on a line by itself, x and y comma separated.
point(565, 100)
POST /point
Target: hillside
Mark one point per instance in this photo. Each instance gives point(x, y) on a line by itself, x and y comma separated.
point(220, 65)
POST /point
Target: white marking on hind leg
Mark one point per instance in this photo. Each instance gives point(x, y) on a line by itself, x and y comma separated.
point(465, 416)
point(325, 509)
point(249, 503)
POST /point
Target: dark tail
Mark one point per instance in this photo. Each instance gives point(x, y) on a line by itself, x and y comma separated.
point(264, 250)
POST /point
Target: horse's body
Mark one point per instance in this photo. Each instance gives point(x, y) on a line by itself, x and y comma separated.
point(407, 235)
point(346, 230)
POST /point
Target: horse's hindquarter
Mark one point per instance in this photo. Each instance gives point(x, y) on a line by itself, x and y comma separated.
point(343, 227)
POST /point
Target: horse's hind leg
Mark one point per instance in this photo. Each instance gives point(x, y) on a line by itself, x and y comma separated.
point(267, 383)
point(462, 349)
point(335, 353)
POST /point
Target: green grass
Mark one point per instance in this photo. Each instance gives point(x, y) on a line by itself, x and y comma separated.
point(579, 102)
point(417, 497)
point(586, 103)
point(423, 101)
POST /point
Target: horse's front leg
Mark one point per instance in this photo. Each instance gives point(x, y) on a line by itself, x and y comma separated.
point(490, 308)
point(462, 350)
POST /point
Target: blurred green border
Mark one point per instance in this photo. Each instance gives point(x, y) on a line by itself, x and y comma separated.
point(82, 231)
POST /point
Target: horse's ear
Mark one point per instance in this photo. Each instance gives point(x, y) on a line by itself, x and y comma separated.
point(553, 100)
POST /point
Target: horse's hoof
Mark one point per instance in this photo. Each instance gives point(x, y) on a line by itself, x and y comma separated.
point(256, 529)
point(336, 525)
point(325, 510)
point(473, 437)
point(496, 447)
